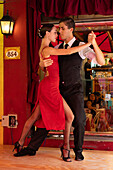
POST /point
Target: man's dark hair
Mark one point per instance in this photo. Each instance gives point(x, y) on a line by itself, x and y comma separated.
point(69, 22)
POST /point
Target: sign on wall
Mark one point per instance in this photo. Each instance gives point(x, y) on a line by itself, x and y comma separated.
point(12, 53)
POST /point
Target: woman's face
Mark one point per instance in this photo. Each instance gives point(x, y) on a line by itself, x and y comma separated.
point(53, 34)
point(92, 97)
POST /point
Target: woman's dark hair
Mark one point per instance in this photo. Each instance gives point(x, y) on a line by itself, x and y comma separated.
point(43, 29)
point(69, 22)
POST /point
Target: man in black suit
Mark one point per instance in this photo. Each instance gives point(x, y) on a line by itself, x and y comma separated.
point(70, 79)
point(70, 87)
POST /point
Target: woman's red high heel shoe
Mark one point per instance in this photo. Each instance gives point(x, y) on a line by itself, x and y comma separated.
point(17, 147)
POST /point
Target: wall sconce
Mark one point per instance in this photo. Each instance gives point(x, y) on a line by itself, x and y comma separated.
point(7, 25)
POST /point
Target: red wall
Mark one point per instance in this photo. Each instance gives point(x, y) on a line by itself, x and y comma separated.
point(15, 71)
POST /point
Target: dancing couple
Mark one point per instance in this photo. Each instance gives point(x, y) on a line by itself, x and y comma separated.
point(60, 101)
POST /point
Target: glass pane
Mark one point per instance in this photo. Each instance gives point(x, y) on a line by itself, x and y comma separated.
point(98, 96)
point(11, 27)
point(5, 26)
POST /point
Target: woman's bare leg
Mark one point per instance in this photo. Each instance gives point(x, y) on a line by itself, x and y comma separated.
point(68, 122)
point(35, 115)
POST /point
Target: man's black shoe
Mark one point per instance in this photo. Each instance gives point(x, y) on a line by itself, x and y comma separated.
point(78, 155)
point(25, 151)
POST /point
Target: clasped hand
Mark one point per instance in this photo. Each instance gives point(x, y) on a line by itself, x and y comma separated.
point(91, 37)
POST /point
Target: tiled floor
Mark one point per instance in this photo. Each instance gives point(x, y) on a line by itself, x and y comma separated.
point(49, 159)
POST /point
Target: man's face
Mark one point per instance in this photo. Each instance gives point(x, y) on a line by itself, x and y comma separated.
point(64, 31)
point(89, 61)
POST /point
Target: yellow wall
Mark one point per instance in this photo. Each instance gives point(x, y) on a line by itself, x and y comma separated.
point(1, 76)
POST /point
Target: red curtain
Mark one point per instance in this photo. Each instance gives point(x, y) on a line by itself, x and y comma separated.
point(58, 9)
point(62, 8)
point(34, 22)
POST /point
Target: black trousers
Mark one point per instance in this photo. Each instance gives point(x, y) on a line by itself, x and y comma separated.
point(76, 103)
point(88, 87)
point(37, 139)
point(75, 99)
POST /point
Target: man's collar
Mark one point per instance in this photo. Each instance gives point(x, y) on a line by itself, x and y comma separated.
point(70, 42)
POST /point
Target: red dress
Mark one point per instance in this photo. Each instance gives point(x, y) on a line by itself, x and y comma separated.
point(50, 100)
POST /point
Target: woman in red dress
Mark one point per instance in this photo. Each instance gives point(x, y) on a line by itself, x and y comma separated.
point(51, 110)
